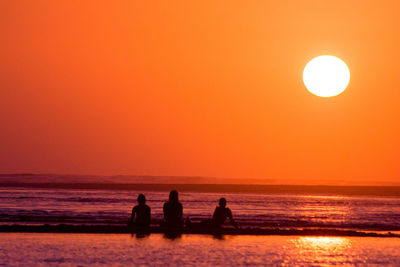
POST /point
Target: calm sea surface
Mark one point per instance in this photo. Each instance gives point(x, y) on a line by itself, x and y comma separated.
point(28, 249)
point(54, 206)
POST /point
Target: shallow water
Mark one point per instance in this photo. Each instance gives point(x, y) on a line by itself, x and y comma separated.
point(53, 206)
point(29, 249)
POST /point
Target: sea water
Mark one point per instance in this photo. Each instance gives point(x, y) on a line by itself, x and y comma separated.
point(113, 207)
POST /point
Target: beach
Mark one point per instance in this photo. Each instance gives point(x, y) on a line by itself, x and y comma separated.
point(79, 227)
point(28, 249)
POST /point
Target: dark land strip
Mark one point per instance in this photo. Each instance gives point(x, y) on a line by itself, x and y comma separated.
point(232, 188)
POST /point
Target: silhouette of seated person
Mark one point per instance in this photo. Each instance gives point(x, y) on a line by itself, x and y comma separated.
point(221, 213)
point(141, 213)
point(173, 211)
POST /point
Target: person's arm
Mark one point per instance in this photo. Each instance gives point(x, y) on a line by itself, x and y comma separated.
point(214, 215)
point(180, 213)
point(148, 218)
point(132, 216)
point(231, 219)
point(164, 211)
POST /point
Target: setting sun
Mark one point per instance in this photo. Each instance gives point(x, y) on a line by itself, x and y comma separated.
point(326, 76)
point(199, 133)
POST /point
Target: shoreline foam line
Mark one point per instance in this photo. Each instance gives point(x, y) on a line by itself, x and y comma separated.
point(112, 229)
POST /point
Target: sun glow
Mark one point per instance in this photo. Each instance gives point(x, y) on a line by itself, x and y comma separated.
point(326, 76)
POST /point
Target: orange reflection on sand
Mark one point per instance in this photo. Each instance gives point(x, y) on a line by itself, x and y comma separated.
point(319, 250)
point(324, 242)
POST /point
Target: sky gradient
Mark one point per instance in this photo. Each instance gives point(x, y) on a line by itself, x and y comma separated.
point(200, 89)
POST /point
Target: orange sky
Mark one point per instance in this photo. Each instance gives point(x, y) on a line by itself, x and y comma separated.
point(206, 88)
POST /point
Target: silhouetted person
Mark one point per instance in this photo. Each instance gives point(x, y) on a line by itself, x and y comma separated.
point(221, 213)
point(141, 213)
point(173, 211)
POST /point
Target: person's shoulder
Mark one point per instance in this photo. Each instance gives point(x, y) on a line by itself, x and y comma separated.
point(147, 207)
point(135, 207)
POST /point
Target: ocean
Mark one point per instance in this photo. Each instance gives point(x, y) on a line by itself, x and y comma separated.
point(32, 206)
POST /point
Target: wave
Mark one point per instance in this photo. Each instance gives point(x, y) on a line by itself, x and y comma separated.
point(118, 218)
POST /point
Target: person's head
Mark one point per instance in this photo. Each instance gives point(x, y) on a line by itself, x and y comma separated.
point(173, 196)
point(222, 202)
point(141, 199)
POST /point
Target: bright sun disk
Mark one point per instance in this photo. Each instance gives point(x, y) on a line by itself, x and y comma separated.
point(326, 76)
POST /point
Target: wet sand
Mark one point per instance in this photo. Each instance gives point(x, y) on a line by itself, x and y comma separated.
point(49, 249)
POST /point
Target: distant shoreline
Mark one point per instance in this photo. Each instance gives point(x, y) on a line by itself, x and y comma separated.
point(223, 188)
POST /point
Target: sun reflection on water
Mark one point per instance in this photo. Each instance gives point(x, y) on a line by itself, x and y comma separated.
point(333, 210)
